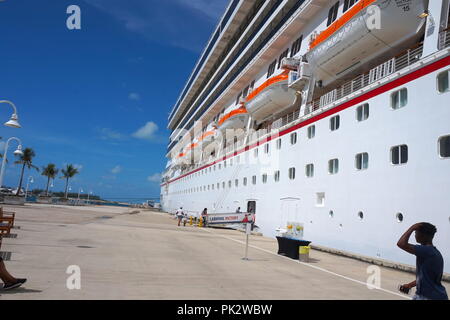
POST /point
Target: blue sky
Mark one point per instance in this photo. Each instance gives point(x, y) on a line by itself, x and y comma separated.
point(99, 97)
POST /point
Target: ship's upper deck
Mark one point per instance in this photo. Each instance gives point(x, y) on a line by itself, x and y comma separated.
point(224, 35)
point(249, 30)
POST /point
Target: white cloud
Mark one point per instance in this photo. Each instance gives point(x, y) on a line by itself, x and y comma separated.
point(154, 177)
point(147, 132)
point(78, 166)
point(134, 96)
point(109, 134)
point(116, 170)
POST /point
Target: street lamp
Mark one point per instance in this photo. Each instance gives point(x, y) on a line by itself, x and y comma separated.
point(30, 180)
point(18, 152)
point(79, 191)
point(14, 120)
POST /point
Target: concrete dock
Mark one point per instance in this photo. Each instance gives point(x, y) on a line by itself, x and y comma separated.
point(127, 253)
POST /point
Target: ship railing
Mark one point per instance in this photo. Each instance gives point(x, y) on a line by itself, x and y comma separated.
point(444, 39)
point(286, 119)
point(381, 71)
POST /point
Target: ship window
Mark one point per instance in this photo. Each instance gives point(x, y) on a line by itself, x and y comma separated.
point(255, 152)
point(296, 46)
point(254, 179)
point(279, 144)
point(443, 81)
point(399, 154)
point(229, 184)
point(362, 112)
point(444, 147)
point(294, 138)
point(225, 164)
point(335, 123)
point(283, 55)
point(276, 176)
point(231, 162)
point(264, 178)
point(399, 98)
point(311, 131)
point(244, 181)
point(348, 4)
point(223, 185)
point(333, 166)
point(361, 215)
point(238, 97)
point(218, 185)
point(252, 85)
point(310, 170)
point(245, 92)
point(292, 173)
point(271, 69)
point(332, 14)
point(266, 148)
point(362, 161)
point(220, 166)
point(236, 182)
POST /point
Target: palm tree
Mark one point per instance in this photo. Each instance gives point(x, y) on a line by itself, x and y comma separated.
point(50, 172)
point(26, 160)
point(68, 173)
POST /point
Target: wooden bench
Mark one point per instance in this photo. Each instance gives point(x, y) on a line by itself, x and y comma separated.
point(7, 216)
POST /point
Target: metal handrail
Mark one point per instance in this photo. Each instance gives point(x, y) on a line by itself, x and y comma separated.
point(363, 80)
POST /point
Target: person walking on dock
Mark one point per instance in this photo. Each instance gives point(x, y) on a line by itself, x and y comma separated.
point(429, 263)
point(180, 215)
point(205, 217)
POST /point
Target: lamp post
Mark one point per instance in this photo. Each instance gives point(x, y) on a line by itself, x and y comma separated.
point(30, 180)
point(79, 191)
point(18, 152)
point(14, 120)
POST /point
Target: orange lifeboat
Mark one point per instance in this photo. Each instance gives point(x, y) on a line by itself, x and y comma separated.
point(272, 97)
point(352, 40)
point(235, 119)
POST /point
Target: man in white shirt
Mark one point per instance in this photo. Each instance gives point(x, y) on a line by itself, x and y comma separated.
point(180, 215)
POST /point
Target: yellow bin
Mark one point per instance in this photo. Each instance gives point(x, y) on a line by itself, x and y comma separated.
point(304, 253)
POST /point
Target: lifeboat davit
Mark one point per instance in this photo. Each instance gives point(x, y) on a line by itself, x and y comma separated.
point(193, 152)
point(233, 120)
point(356, 37)
point(272, 97)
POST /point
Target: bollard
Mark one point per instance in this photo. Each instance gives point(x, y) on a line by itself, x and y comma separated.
point(200, 222)
point(190, 220)
point(304, 253)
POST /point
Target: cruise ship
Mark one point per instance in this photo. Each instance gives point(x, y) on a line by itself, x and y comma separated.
point(331, 114)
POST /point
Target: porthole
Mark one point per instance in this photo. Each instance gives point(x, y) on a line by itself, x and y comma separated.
point(399, 217)
point(331, 214)
point(360, 215)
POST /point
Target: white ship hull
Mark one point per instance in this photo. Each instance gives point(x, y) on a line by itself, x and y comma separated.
point(362, 210)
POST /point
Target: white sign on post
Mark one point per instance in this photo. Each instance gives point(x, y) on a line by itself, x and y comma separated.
point(234, 218)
